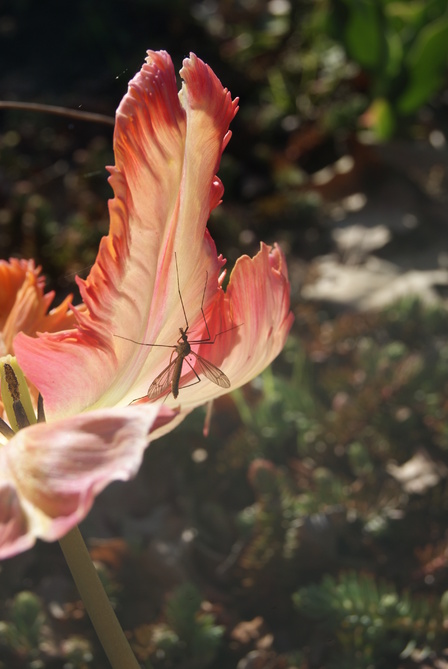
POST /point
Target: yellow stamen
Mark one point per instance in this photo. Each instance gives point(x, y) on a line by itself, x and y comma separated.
point(15, 393)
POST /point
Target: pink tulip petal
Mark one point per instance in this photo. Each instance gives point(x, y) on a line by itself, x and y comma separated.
point(164, 182)
point(51, 472)
point(258, 296)
point(14, 535)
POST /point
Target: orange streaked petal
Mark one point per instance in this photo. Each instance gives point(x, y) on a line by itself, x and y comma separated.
point(167, 150)
point(24, 307)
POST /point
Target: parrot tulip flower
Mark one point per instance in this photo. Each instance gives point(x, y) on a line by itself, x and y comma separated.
point(168, 147)
point(157, 267)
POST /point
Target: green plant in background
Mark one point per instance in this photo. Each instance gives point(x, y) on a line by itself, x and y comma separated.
point(197, 634)
point(23, 632)
point(327, 473)
point(26, 637)
point(332, 60)
point(402, 47)
point(373, 624)
point(188, 638)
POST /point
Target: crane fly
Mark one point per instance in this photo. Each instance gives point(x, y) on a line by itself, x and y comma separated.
point(169, 378)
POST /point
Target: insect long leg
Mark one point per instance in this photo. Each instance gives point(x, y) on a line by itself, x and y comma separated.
point(209, 339)
point(198, 380)
point(212, 341)
point(202, 302)
point(180, 294)
point(142, 343)
point(202, 306)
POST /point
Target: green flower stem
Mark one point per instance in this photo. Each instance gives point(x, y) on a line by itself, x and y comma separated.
point(97, 604)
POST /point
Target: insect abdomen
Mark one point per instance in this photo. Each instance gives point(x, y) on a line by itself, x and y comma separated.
point(176, 376)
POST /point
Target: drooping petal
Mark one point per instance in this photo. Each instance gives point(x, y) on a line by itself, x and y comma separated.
point(24, 307)
point(167, 150)
point(50, 473)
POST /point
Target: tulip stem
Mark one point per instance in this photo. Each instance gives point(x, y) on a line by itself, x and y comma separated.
point(96, 602)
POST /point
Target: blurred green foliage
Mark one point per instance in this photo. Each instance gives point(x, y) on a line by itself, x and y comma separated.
point(189, 638)
point(331, 60)
point(26, 640)
point(23, 632)
point(402, 47)
point(337, 468)
point(371, 622)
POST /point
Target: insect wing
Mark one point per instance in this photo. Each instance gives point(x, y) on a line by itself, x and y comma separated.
point(162, 382)
point(210, 371)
